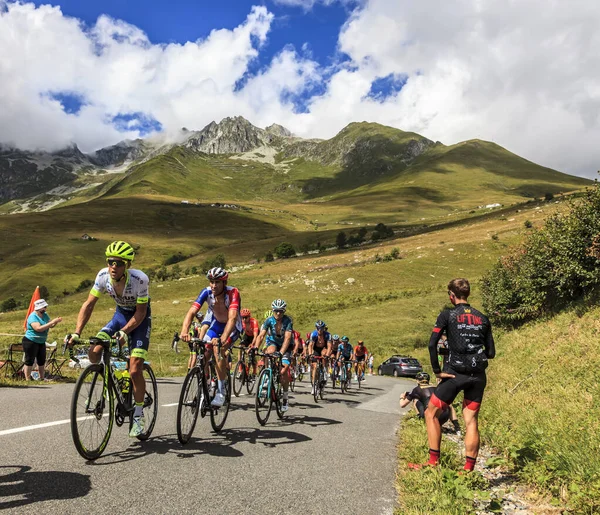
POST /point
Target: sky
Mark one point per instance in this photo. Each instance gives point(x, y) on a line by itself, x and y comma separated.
point(524, 74)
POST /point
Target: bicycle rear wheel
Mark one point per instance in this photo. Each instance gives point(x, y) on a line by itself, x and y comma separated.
point(92, 408)
point(218, 416)
point(239, 377)
point(150, 402)
point(262, 401)
point(278, 399)
point(190, 403)
point(250, 382)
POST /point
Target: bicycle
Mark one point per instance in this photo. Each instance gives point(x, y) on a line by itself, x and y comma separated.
point(319, 384)
point(241, 374)
point(197, 392)
point(269, 390)
point(345, 376)
point(334, 371)
point(93, 407)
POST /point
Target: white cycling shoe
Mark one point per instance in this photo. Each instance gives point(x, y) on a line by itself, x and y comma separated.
point(218, 401)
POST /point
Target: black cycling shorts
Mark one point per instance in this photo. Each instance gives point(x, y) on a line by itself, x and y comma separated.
point(318, 351)
point(472, 385)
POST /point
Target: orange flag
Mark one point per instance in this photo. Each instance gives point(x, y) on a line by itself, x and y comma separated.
point(36, 296)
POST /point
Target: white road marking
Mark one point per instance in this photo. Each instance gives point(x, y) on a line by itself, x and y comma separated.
point(39, 426)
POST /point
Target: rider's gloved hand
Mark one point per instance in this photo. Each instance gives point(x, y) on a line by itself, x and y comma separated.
point(73, 340)
point(122, 337)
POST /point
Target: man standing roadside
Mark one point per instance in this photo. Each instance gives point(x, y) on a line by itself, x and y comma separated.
point(470, 345)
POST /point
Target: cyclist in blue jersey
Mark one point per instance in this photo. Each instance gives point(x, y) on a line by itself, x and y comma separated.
point(345, 352)
point(320, 345)
point(278, 330)
point(131, 322)
point(222, 323)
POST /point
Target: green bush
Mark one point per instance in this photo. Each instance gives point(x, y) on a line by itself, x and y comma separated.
point(556, 265)
point(285, 250)
point(341, 241)
point(269, 257)
point(175, 258)
point(83, 285)
point(9, 305)
point(217, 261)
point(528, 224)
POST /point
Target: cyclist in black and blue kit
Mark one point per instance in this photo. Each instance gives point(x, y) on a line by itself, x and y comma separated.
point(320, 345)
point(344, 353)
point(278, 330)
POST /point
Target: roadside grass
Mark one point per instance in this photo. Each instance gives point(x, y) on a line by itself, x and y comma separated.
point(439, 490)
point(539, 411)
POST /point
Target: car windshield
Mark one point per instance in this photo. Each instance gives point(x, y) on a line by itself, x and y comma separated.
point(410, 361)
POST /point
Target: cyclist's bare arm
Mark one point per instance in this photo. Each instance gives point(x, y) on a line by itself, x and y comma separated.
point(187, 322)
point(85, 313)
point(286, 342)
point(138, 317)
point(260, 338)
point(231, 321)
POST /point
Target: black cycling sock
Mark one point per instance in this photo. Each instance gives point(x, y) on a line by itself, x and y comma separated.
point(456, 425)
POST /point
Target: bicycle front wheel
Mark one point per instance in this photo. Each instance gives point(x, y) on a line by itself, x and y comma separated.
point(92, 408)
point(263, 402)
point(239, 377)
point(150, 402)
point(218, 416)
point(190, 403)
point(250, 382)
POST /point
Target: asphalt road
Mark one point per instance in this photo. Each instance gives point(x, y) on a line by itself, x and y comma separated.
point(338, 455)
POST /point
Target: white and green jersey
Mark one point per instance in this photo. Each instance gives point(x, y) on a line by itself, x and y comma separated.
point(134, 293)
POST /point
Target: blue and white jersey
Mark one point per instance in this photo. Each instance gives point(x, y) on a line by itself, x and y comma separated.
point(232, 301)
point(273, 337)
point(324, 341)
point(134, 293)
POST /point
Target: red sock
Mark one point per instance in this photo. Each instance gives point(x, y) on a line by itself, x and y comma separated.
point(434, 457)
point(470, 464)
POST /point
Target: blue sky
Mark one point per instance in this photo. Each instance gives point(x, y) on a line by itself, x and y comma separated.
point(525, 75)
point(188, 20)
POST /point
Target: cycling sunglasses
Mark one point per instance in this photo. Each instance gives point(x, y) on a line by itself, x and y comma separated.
point(115, 262)
point(278, 311)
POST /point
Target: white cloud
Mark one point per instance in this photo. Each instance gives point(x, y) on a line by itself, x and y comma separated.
point(523, 74)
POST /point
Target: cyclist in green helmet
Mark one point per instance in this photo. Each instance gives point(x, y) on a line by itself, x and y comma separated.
point(131, 322)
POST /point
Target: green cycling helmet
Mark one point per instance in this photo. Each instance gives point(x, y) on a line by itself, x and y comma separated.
point(120, 249)
point(345, 339)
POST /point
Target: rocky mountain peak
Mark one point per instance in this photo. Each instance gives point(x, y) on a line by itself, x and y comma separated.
point(232, 135)
point(279, 130)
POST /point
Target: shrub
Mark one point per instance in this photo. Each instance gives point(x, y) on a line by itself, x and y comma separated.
point(9, 305)
point(44, 293)
point(528, 224)
point(269, 257)
point(175, 258)
point(395, 253)
point(176, 272)
point(557, 264)
point(495, 237)
point(548, 197)
point(84, 285)
point(217, 261)
point(341, 240)
point(285, 250)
